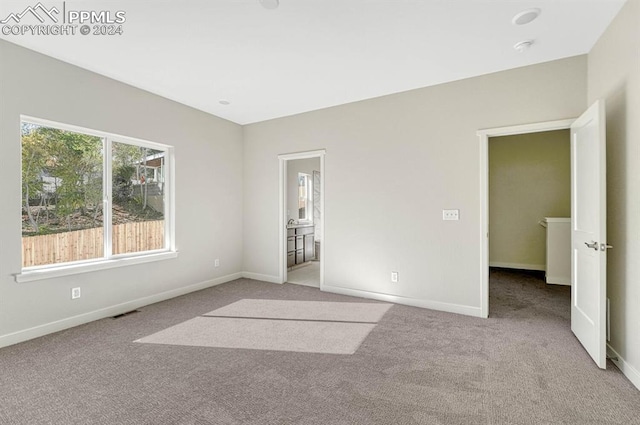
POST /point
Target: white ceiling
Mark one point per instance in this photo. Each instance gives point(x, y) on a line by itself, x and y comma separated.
point(311, 54)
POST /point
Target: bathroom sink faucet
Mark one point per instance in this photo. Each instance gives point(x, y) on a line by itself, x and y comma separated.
point(290, 222)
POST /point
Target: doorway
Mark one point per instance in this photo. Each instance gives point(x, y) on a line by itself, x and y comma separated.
point(530, 204)
point(588, 224)
point(485, 135)
point(301, 228)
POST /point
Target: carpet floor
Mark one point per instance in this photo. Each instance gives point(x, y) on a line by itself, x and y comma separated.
point(302, 326)
point(362, 312)
point(521, 366)
point(265, 334)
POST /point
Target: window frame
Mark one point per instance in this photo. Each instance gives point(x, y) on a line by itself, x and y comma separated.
point(109, 260)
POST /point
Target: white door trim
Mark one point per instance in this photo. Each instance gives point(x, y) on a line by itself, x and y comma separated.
point(484, 136)
point(282, 216)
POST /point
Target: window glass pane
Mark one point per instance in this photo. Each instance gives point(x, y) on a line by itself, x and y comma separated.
point(138, 198)
point(61, 196)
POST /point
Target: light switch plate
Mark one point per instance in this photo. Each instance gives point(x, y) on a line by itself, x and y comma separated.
point(451, 214)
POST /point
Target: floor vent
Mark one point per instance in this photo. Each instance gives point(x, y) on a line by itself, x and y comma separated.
point(117, 316)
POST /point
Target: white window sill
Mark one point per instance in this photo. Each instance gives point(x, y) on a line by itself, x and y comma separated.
point(70, 269)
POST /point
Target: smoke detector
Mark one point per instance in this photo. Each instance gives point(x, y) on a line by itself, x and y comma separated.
point(523, 45)
point(525, 16)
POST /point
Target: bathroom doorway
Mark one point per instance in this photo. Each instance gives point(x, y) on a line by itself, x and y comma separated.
point(302, 218)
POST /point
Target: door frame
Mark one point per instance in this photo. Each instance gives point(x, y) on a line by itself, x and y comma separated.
point(484, 136)
point(282, 216)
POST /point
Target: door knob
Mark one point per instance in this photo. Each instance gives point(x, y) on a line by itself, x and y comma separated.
point(604, 247)
point(592, 245)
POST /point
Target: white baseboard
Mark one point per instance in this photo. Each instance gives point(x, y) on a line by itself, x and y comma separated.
point(560, 280)
point(520, 266)
point(433, 305)
point(70, 322)
point(262, 277)
point(627, 370)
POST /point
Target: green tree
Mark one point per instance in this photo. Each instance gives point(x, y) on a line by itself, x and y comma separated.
point(125, 170)
point(76, 160)
point(144, 187)
point(130, 163)
point(34, 158)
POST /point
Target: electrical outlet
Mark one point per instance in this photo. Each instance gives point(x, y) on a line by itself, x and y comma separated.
point(75, 293)
point(394, 277)
point(216, 262)
point(451, 214)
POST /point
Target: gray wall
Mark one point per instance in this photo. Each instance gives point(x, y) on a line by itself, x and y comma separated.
point(208, 193)
point(529, 179)
point(614, 75)
point(392, 164)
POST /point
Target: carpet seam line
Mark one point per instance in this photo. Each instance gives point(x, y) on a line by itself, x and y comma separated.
point(286, 319)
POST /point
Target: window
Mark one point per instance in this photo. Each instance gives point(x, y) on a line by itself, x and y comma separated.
point(305, 206)
point(89, 196)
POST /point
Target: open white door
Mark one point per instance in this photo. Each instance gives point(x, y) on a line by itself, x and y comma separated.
point(589, 232)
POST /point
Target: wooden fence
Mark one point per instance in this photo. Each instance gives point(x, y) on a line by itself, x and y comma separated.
point(88, 244)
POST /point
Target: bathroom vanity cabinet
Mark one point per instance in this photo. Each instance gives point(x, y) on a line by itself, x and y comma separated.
point(300, 244)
